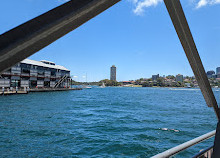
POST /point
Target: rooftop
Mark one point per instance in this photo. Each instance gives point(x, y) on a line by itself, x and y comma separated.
point(44, 63)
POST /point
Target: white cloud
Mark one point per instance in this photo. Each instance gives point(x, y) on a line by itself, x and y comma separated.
point(203, 3)
point(141, 5)
point(216, 2)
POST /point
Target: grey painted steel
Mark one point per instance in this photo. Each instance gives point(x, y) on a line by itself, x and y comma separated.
point(182, 28)
point(185, 145)
point(216, 148)
point(28, 38)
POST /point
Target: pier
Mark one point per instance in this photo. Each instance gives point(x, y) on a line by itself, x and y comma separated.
point(13, 92)
point(23, 91)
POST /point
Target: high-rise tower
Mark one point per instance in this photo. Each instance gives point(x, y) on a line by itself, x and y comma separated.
point(113, 73)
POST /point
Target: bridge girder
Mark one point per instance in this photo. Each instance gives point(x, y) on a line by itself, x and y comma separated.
point(30, 37)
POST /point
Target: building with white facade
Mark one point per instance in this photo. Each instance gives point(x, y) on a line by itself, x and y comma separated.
point(36, 74)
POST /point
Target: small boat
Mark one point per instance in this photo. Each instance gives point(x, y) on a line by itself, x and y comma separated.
point(87, 87)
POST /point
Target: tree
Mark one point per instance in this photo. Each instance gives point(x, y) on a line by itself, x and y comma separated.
point(75, 83)
point(179, 84)
point(160, 82)
point(147, 84)
point(171, 77)
point(109, 82)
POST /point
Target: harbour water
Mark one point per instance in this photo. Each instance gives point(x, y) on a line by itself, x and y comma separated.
point(104, 122)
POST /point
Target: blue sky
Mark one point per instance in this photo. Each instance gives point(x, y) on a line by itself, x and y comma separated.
point(135, 35)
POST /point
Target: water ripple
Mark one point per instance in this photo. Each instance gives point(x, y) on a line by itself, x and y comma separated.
point(109, 122)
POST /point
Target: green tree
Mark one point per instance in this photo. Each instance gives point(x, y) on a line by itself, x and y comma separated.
point(147, 84)
point(109, 82)
point(160, 82)
point(171, 77)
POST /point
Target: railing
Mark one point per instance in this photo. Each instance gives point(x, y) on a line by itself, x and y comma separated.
point(207, 153)
point(185, 145)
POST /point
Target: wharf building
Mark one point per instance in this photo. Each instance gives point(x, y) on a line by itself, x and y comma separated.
point(113, 73)
point(36, 74)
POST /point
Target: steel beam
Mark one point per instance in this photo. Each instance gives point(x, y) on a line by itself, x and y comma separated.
point(216, 149)
point(28, 38)
point(182, 28)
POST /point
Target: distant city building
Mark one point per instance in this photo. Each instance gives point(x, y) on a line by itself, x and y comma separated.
point(187, 85)
point(155, 77)
point(179, 78)
point(217, 70)
point(211, 74)
point(31, 73)
point(113, 73)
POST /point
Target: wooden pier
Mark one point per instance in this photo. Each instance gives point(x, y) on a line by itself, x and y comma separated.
point(37, 90)
point(13, 92)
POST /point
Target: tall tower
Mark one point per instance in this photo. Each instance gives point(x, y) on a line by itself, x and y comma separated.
point(217, 70)
point(179, 78)
point(113, 73)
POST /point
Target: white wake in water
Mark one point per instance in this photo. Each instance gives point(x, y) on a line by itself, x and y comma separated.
point(167, 129)
point(183, 89)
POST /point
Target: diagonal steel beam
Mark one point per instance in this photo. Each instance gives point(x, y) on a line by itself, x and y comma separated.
point(28, 38)
point(182, 28)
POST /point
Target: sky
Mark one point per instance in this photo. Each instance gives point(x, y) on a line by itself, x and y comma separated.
point(135, 35)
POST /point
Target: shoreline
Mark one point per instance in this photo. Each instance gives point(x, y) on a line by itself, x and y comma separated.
point(37, 90)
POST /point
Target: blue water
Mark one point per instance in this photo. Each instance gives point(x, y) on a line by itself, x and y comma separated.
point(103, 122)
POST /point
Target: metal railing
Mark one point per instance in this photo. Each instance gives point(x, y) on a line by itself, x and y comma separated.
point(207, 153)
point(181, 147)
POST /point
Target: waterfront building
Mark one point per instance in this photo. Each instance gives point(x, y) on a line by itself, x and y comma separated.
point(36, 74)
point(113, 73)
point(179, 78)
point(211, 74)
point(155, 77)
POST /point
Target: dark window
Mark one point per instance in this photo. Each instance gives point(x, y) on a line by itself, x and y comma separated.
point(25, 70)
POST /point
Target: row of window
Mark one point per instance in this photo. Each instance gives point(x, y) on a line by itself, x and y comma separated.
point(41, 68)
